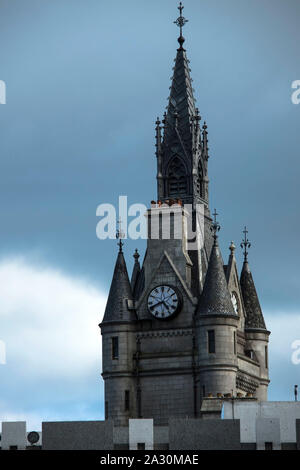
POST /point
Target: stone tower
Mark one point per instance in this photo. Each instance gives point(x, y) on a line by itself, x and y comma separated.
point(216, 325)
point(186, 325)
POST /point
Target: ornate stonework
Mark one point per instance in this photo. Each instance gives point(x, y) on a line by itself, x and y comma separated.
point(209, 336)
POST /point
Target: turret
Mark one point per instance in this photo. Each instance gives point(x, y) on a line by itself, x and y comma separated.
point(216, 329)
point(118, 346)
point(256, 333)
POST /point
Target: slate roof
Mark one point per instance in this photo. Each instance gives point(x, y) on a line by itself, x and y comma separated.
point(215, 297)
point(182, 101)
point(254, 316)
point(120, 291)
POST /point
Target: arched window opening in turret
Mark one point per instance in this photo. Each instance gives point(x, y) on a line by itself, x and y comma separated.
point(177, 178)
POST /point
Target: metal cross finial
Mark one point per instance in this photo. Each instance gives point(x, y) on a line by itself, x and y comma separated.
point(215, 216)
point(180, 22)
point(215, 228)
point(120, 234)
point(245, 244)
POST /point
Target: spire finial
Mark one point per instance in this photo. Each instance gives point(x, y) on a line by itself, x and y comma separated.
point(181, 21)
point(215, 228)
point(119, 235)
point(232, 248)
point(245, 244)
point(197, 116)
point(136, 255)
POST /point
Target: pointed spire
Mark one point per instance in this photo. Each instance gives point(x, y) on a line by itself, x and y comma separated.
point(232, 248)
point(120, 292)
point(205, 141)
point(181, 107)
point(254, 316)
point(215, 298)
point(158, 136)
point(231, 262)
point(183, 163)
point(136, 269)
point(196, 132)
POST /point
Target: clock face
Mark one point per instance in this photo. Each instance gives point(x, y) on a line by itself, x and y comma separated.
point(235, 302)
point(163, 302)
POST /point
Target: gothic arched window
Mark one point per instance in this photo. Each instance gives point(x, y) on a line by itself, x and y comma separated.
point(177, 178)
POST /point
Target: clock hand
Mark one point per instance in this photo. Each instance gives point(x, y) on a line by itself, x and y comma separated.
point(158, 303)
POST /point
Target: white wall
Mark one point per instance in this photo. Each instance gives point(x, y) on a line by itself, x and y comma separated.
point(249, 412)
point(13, 434)
point(268, 430)
point(141, 431)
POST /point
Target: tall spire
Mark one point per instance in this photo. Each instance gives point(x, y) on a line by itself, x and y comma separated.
point(215, 298)
point(181, 107)
point(254, 316)
point(182, 162)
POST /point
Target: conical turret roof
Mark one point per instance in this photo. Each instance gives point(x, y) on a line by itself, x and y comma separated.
point(119, 294)
point(254, 315)
point(215, 297)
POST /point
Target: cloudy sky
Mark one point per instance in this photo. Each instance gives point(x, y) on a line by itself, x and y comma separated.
point(85, 82)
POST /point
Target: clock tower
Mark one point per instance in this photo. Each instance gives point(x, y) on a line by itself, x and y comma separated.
point(186, 325)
